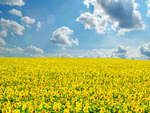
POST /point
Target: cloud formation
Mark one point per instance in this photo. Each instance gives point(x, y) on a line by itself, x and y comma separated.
point(38, 26)
point(148, 7)
point(61, 37)
point(12, 2)
point(121, 14)
point(120, 50)
point(12, 26)
point(145, 49)
point(11, 50)
point(28, 26)
point(30, 51)
point(28, 20)
point(3, 33)
point(33, 50)
point(2, 42)
point(63, 55)
point(120, 53)
point(93, 54)
point(15, 12)
point(92, 21)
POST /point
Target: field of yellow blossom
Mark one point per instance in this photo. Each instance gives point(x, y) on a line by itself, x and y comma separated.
point(76, 85)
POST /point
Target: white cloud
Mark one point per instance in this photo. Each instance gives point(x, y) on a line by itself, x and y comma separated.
point(124, 52)
point(93, 54)
point(121, 14)
point(11, 50)
point(63, 55)
point(35, 55)
point(97, 53)
point(61, 37)
point(28, 20)
point(148, 3)
point(2, 42)
point(33, 50)
point(30, 51)
point(148, 13)
point(119, 56)
point(3, 33)
point(145, 49)
point(1, 12)
point(76, 42)
point(17, 49)
point(127, 53)
point(12, 2)
point(28, 26)
point(59, 54)
point(120, 53)
point(13, 26)
point(148, 7)
point(38, 26)
point(92, 21)
point(86, 2)
point(121, 50)
point(133, 53)
point(16, 12)
point(63, 48)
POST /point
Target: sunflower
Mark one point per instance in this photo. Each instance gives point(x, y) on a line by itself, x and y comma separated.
point(85, 109)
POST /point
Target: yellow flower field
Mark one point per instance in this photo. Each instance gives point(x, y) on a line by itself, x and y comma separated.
point(63, 85)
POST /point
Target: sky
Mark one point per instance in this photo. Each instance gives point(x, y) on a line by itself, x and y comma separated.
point(75, 28)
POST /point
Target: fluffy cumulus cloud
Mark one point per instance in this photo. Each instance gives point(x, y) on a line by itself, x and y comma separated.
point(76, 42)
point(28, 26)
point(33, 50)
point(61, 37)
point(112, 15)
point(148, 13)
point(38, 25)
point(11, 50)
point(3, 33)
point(28, 20)
point(93, 54)
point(12, 26)
point(15, 12)
point(145, 49)
point(148, 7)
point(92, 21)
point(12, 2)
point(120, 52)
point(62, 55)
point(2, 42)
point(97, 53)
point(30, 51)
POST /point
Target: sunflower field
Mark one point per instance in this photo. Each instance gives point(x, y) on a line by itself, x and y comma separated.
point(74, 85)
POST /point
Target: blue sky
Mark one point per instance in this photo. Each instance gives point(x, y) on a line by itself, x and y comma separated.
point(75, 28)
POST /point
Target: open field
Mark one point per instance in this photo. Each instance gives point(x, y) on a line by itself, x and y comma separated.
point(74, 85)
